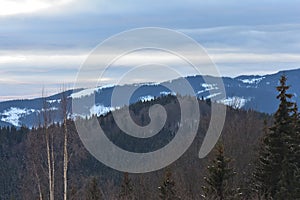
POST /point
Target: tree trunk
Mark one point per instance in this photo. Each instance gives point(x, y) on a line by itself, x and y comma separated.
point(66, 160)
point(53, 164)
point(51, 192)
point(66, 157)
point(38, 182)
point(49, 149)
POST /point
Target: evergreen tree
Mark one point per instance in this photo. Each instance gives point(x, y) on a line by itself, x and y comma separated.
point(260, 178)
point(167, 188)
point(219, 174)
point(93, 191)
point(295, 150)
point(126, 188)
point(296, 124)
point(274, 174)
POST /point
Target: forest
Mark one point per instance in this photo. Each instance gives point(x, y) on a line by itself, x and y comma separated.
point(256, 157)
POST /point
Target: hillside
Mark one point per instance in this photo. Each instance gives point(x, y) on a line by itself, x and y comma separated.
point(247, 92)
point(24, 155)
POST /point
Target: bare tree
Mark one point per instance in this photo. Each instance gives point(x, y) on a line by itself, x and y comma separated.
point(34, 165)
point(49, 148)
point(38, 182)
point(64, 105)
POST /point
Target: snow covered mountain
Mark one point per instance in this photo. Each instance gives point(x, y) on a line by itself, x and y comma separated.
point(255, 92)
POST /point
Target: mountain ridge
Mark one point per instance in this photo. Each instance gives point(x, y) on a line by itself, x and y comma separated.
point(255, 92)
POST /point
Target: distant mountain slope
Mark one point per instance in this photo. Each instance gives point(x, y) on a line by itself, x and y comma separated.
point(249, 92)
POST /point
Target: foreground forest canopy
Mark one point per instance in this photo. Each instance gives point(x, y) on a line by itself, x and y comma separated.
point(257, 157)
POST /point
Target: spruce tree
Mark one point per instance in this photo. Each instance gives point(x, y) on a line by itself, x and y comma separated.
point(295, 149)
point(167, 188)
point(259, 183)
point(275, 168)
point(296, 137)
point(93, 190)
point(219, 174)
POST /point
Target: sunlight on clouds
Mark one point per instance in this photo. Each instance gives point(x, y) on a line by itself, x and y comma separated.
point(11, 59)
point(13, 7)
point(55, 61)
point(46, 62)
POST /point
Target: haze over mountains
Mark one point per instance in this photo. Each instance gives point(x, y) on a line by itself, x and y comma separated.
point(247, 92)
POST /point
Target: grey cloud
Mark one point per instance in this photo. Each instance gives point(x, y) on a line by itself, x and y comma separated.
point(258, 27)
point(284, 38)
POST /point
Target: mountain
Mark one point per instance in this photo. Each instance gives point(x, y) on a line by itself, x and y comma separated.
point(247, 92)
point(23, 155)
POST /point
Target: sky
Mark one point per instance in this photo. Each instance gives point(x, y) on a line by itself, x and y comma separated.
point(43, 43)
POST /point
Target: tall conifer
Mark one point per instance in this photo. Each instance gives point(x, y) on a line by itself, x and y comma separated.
point(274, 175)
point(219, 173)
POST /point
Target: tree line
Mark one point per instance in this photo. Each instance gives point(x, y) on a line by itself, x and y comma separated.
point(257, 157)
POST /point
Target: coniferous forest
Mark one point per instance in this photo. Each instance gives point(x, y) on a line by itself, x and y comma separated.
point(256, 157)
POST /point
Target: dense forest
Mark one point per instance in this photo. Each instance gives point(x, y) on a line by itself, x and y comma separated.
point(257, 157)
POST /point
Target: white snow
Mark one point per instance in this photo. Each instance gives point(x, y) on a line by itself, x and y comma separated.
point(97, 110)
point(52, 108)
point(165, 93)
point(212, 95)
point(106, 86)
point(83, 93)
point(48, 109)
point(252, 81)
point(89, 91)
point(209, 87)
point(235, 102)
point(74, 116)
point(146, 98)
point(13, 115)
point(151, 84)
point(54, 101)
point(201, 91)
point(100, 110)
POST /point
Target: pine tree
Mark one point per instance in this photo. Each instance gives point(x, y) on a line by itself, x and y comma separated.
point(126, 188)
point(93, 191)
point(219, 174)
point(295, 149)
point(167, 188)
point(275, 168)
point(259, 182)
point(296, 124)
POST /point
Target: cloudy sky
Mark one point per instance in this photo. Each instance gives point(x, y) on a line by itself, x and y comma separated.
point(44, 42)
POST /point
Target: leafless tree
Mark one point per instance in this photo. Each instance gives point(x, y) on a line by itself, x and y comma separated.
point(64, 104)
point(49, 138)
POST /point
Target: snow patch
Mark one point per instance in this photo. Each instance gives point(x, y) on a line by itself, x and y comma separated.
point(164, 93)
point(14, 114)
point(235, 102)
point(54, 101)
point(209, 87)
point(52, 108)
point(89, 91)
point(83, 93)
point(151, 84)
point(212, 95)
point(106, 86)
point(201, 91)
point(48, 109)
point(252, 81)
point(146, 98)
point(100, 110)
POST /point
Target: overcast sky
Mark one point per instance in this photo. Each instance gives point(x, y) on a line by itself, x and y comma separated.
point(44, 42)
